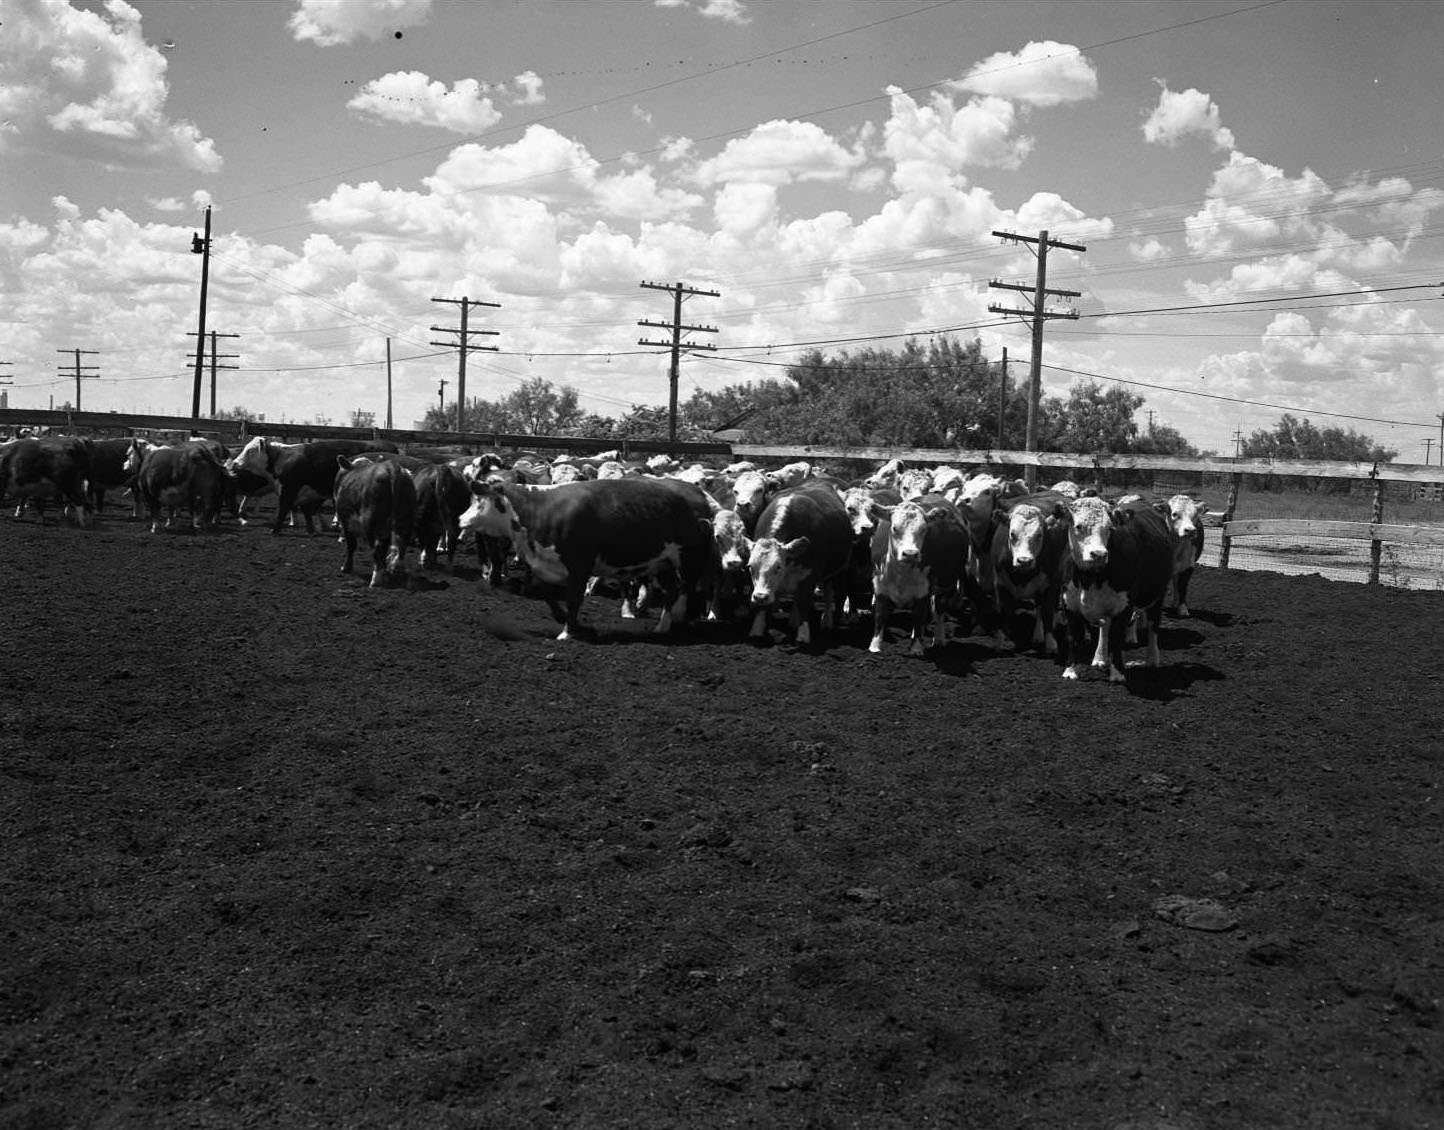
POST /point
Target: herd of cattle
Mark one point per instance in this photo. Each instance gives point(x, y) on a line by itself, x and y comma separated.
point(692, 540)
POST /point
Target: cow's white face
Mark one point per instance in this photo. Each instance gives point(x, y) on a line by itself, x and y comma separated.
point(1067, 488)
point(979, 494)
point(567, 473)
point(906, 534)
point(489, 513)
point(611, 469)
point(479, 466)
point(792, 474)
point(948, 481)
point(254, 457)
point(1186, 515)
point(863, 511)
point(914, 484)
point(750, 492)
point(1090, 523)
point(733, 545)
point(885, 476)
point(775, 567)
point(135, 454)
point(1026, 524)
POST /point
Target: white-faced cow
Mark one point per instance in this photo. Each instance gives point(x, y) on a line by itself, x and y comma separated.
point(187, 475)
point(49, 468)
point(803, 540)
point(1028, 554)
point(293, 469)
point(1186, 515)
point(631, 528)
point(375, 500)
point(919, 553)
point(730, 582)
point(1119, 559)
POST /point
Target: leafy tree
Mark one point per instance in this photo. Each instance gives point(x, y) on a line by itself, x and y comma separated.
point(535, 408)
point(1292, 438)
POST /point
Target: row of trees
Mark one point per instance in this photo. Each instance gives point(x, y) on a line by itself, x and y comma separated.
point(944, 393)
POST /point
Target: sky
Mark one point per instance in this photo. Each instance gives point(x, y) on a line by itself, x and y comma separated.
point(1258, 187)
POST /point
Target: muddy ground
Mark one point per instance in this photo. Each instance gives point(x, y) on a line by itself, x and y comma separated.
point(278, 851)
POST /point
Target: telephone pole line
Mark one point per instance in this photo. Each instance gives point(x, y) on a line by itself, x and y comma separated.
point(201, 247)
point(82, 372)
point(215, 359)
point(389, 424)
point(1441, 439)
point(678, 291)
point(1002, 396)
point(463, 346)
point(441, 397)
point(5, 379)
point(1038, 314)
point(1428, 443)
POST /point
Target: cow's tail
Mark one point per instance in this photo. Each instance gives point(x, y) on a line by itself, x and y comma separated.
point(402, 517)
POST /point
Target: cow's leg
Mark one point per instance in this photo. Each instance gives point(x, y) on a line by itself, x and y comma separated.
point(349, 564)
point(759, 624)
point(918, 614)
point(1077, 644)
point(1180, 585)
point(881, 610)
point(802, 613)
point(1105, 633)
point(940, 624)
point(1116, 628)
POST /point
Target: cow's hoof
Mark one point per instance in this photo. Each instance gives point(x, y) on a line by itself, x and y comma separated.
point(1070, 672)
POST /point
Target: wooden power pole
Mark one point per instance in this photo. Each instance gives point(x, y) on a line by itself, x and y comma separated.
point(678, 291)
point(82, 372)
point(201, 247)
point(463, 346)
point(1038, 314)
point(215, 363)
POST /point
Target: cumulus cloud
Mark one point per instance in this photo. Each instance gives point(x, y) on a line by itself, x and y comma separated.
point(329, 23)
point(780, 152)
point(1182, 114)
point(727, 11)
point(930, 145)
point(1041, 74)
point(1147, 250)
point(87, 84)
point(412, 98)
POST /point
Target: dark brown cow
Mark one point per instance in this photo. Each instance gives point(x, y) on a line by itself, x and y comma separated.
point(441, 498)
point(375, 500)
point(188, 475)
point(48, 468)
point(294, 468)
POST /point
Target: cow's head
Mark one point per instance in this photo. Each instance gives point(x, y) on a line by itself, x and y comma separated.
point(479, 466)
point(1090, 522)
point(1027, 524)
point(751, 490)
point(863, 511)
point(254, 457)
point(906, 533)
point(772, 564)
point(885, 477)
point(948, 482)
point(914, 483)
point(1185, 514)
point(491, 512)
point(730, 536)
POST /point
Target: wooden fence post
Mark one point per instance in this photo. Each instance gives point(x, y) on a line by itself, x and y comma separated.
point(1234, 482)
point(1376, 547)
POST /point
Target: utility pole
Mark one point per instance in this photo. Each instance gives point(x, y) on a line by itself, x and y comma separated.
point(1039, 315)
point(215, 358)
point(389, 424)
point(82, 372)
point(463, 346)
point(201, 247)
point(1002, 396)
point(441, 398)
point(1441, 439)
point(1237, 443)
point(678, 291)
point(1428, 443)
point(5, 379)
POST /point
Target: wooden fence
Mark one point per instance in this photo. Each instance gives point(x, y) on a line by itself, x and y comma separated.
point(1149, 471)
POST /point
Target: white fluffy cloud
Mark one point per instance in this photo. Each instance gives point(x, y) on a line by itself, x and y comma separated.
point(329, 23)
point(87, 84)
point(930, 145)
point(1041, 74)
point(727, 11)
point(1181, 114)
point(780, 152)
point(412, 98)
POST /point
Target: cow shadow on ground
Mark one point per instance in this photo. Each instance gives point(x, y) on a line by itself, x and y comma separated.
point(1213, 619)
point(1170, 680)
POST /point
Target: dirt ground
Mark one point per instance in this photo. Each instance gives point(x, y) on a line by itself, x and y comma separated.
point(281, 852)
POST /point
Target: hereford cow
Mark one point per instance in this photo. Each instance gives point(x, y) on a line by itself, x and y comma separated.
point(441, 498)
point(375, 500)
point(919, 554)
point(293, 469)
point(110, 470)
point(45, 469)
point(187, 475)
point(629, 528)
point(1186, 516)
point(803, 539)
point(1028, 554)
point(1119, 559)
